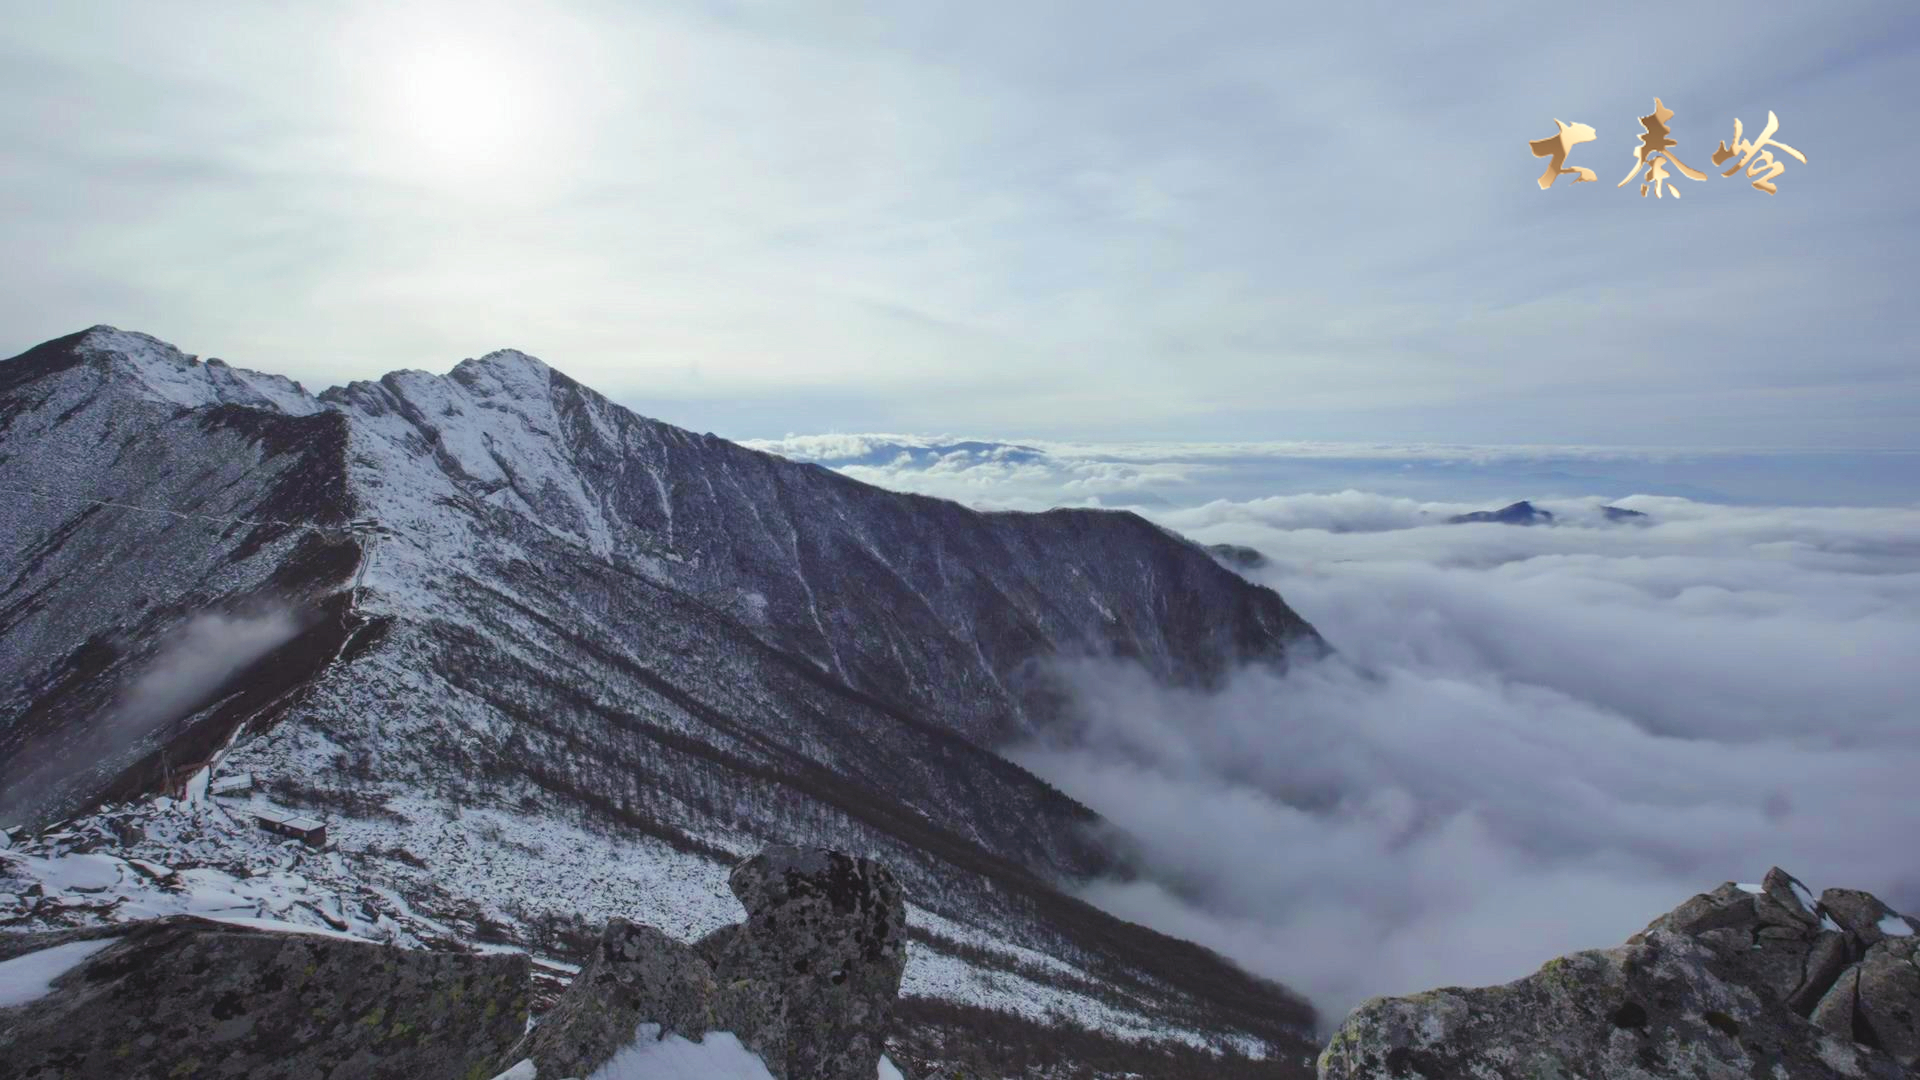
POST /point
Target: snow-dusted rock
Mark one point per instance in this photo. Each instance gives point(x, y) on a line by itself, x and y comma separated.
point(185, 996)
point(636, 975)
point(1888, 1003)
point(1860, 914)
point(1737, 983)
point(807, 983)
point(826, 936)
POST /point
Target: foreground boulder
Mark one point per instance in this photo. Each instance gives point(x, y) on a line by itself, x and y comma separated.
point(825, 936)
point(189, 997)
point(1748, 981)
point(808, 982)
point(636, 975)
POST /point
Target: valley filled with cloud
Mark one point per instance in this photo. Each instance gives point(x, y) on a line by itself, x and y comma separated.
point(1530, 740)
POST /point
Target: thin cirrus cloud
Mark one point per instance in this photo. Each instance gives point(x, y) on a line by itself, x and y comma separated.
point(1530, 740)
point(1096, 221)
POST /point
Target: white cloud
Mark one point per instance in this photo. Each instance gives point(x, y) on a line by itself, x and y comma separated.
point(1533, 740)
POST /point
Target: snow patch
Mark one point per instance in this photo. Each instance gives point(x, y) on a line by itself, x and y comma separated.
point(1895, 926)
point(1754, 889)
point(30, 977)
point(278, 927)
point(717, 1056)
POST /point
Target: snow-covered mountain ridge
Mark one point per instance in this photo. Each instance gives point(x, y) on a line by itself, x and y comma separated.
point(585, 645)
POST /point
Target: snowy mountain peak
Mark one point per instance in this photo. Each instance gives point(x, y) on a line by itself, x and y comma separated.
point(166, 374)
point(504, 373)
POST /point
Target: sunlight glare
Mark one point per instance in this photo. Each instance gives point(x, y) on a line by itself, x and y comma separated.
point(468, 101)
point(461, 108)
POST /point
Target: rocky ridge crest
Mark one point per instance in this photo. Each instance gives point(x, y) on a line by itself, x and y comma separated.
point(807, 983)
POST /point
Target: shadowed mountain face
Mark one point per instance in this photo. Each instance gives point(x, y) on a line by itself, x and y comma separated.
point(576, 613)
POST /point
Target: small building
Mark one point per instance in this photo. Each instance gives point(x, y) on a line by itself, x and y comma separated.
point(231, 785)
point(309, 831)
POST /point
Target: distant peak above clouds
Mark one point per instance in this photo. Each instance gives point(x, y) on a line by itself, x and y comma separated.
point(835, 451)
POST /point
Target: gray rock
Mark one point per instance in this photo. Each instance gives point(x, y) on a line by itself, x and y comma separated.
point(825, 937)
point(1786, 892)
point(1825, 961)
point(1718, 989)
point(636, 975)
point(1775, 966)
point(1727, 907)
point(188, 997)
point(711, 946)
point(1888, 1006)
point(1834, 1014)
point(1858, 913)
point(808, 982)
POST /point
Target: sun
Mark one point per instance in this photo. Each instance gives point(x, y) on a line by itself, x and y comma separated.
point(471, 102)
point(459, 106)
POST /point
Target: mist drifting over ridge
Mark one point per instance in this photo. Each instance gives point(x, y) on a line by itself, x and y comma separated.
point(1529, 740)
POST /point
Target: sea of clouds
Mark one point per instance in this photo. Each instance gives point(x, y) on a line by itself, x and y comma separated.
point(1531, 740)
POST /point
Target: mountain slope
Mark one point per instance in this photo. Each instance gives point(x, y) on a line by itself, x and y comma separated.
point(587, 646)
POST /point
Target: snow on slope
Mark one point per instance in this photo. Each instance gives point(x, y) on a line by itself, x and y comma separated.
point(30, 977)
point(209, 859)
point(599, 651)
point(171, 375)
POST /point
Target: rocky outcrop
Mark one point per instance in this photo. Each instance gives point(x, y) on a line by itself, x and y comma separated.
point(189, 997)
point(636, 975)
point(826, 935)
point(1746, 981)
point(1238, 556)
point(808, 982)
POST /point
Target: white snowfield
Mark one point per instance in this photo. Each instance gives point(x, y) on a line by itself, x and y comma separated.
point(717, 1056)
point(30, 977)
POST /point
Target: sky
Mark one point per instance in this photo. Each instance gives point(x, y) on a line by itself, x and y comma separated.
point(1073, 221)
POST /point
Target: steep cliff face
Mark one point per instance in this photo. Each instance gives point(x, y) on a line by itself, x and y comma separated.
point(918, 601)
point(578, 622)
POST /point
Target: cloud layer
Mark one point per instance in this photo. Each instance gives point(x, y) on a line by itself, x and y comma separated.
point(1036, 474)
point(1533, 740)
